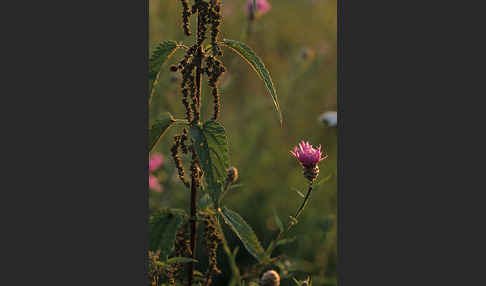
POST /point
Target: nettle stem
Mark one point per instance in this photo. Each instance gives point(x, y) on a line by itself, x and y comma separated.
point(195, 178)
point(193, 229)
point(192, 70)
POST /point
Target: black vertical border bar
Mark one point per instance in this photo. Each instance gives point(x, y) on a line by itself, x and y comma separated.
point(340, 179)
point(146, 136)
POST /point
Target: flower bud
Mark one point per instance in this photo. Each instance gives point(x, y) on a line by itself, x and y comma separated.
point(232, 175)
point(270, 278)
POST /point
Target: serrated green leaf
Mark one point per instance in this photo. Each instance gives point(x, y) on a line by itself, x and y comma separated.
point(257, 64)
point(163, 227)
point(244, 232)
point(161, 53)
point(159, 128)
point(173, 260)
point(211, 148)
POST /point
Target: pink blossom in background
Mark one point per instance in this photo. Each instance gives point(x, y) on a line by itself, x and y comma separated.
point(263, 6)
point(155, 161)
point(307, 155)
point(154, 184)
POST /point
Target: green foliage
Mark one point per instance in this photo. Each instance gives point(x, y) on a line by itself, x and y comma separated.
point(212, 151)
point(174, 260)
point(244, 232)
point(163, 227)
point(159, 128)
point(205, 201)
point(235, 279)
point(161, 53)
point(286, 241)
point(257, 64)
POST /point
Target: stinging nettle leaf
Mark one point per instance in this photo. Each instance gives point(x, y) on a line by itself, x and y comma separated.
point(256, 63)
point(158, 129)
point(212, 150)
point(244, 232)
point(161, 53)
point(163, 227)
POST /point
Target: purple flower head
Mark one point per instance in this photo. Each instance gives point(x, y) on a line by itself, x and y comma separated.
point(307, 155)
point(154, 184)
point(155, 162)
point(262, 7)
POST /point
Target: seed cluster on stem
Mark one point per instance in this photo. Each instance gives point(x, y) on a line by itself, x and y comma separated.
point(195, 63)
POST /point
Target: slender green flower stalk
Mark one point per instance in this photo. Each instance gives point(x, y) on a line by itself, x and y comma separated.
point(308, 157)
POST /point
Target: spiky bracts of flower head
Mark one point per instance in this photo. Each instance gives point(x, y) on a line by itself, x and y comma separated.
point(309, 157)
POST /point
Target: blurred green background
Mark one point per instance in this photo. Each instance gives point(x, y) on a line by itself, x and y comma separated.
point(297, 42)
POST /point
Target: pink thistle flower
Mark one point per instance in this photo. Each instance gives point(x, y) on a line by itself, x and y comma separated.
point(155, 162)
point(154, 184)
point(263, 6)
point(309, 157)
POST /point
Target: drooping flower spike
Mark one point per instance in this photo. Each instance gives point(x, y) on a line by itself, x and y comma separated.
point(309, 157)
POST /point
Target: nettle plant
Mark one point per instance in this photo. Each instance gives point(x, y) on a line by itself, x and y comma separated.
point(173, 233)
